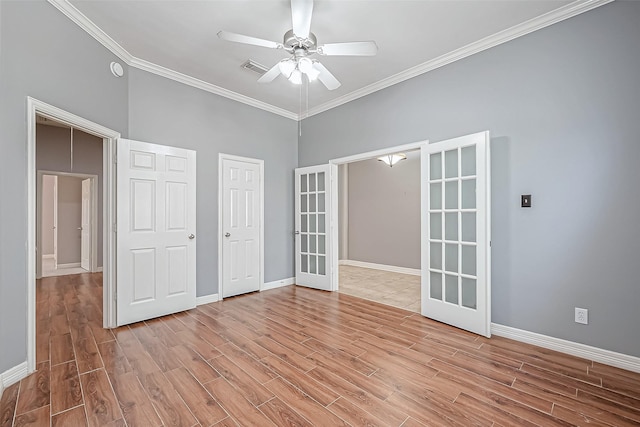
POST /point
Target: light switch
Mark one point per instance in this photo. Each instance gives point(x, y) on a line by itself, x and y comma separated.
point(526, 200)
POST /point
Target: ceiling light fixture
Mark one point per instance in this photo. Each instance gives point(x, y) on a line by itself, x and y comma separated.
point(392, 159)
point(294, 68)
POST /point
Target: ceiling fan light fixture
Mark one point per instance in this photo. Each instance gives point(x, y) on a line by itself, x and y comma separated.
point(313, 74)
point(287, 66)
point(305, 65)
point(296, 77)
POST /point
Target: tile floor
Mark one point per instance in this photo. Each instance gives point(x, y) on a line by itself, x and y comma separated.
point(394, 289)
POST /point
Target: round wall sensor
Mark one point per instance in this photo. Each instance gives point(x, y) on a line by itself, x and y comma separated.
point(117, 69)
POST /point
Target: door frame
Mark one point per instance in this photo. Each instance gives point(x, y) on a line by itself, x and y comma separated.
point(109, 137)
point(93, 258)
point(335, 216)
point(260, 163)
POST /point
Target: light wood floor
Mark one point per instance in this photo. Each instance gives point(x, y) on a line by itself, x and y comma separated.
point(297, 357)
point(394, 289)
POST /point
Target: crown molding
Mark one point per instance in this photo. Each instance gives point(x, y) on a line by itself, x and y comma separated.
point(568, 11)
point(103, 38)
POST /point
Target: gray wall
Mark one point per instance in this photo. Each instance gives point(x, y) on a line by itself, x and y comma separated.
point(166, 112)
point(43, 55)
point(69, 219)
point(46, 56)
point(384, 212)
point(48, 214)
point(53, 153)
point(562, 106)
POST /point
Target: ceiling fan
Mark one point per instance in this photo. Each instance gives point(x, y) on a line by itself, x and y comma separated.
point(301, 43)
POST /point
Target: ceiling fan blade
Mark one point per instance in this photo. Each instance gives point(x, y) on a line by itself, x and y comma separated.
point(301, 11)
point(270, 75)
point(240, 38)
point(349, 49)
point(326, 77)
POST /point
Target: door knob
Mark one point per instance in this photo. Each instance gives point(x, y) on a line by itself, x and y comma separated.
point(79, 228)
point(192, 236)
point(296, 232)
point(227, 234)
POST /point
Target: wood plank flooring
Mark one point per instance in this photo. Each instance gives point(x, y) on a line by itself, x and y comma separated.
point(297, 357)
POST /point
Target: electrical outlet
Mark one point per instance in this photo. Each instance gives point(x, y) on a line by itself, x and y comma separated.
point(582, 315)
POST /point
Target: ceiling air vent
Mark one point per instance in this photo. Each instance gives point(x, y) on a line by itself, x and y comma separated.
point(254, 66)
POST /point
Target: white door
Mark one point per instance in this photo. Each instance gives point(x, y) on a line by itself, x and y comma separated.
point(456, 287)
point(312, 227)
point(85, 226)
point(241, 222)
point(156, 247)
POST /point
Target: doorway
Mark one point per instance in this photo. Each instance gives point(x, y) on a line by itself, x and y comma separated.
point(68, 220)
point(37, 108)
point(379, 230)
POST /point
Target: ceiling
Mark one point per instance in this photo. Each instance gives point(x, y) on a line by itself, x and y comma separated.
point(178, 39)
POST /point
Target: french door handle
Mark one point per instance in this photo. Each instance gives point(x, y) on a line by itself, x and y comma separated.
point(296, 232)
point(227, 234)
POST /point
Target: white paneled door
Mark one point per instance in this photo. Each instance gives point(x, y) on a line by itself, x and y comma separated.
point(156, 246)
point(85, 226)
point(241, 223)
point(456, 285)
point(312, 230)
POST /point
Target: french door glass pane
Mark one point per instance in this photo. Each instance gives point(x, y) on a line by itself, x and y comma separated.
point(312, 182)
point(435, 195)
point(312, 223)
point(469, 194)
point(312, 203)
point(321, 227)
point(303, 183)
point(451, 226)
point(469, 260)
point(469, 227)
point(468, 158)
point(436, 226)
point(321, 266)
point(312, 244)
point(304, 264)
point(451, 257)
point(321, 202)
point(435, 166)
point(451, 195)
point(321, 181)
point(435, 288)
point(304, 243)
point(435, 253)
point(451, 288)
point(303, 223)
point(451, 163)
point(321, 248)
point(469, 293)
point(303, 203)
point(312, 264)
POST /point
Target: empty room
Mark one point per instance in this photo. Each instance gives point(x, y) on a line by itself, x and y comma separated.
point(211, 230)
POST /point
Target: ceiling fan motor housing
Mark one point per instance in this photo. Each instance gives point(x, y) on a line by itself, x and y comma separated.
point(291, 41)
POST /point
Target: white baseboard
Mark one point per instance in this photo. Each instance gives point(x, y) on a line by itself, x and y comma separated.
point(49, 256)
point(392, 268)
point(99, 270)
point(607, 357)
point(278, 284)
point(68, 265)
point(207, 299)
point(13, 375)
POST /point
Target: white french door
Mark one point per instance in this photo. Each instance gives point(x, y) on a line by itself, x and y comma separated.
point(456, 287)
point(156, 247)
point(241, 226)
point(85, 226)
point(312, 227)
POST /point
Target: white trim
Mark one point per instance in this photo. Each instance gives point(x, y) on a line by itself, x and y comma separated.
point(607, 357)
point(99, 270)
point(49, 256)
point(278, 284)
point(383, 267)
point(207, 299)
point(378, 153)
point(109, 136)
point(13, 375)
point(97, 33)
point(69, 265)
point(260, 163)
point(565, 12)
